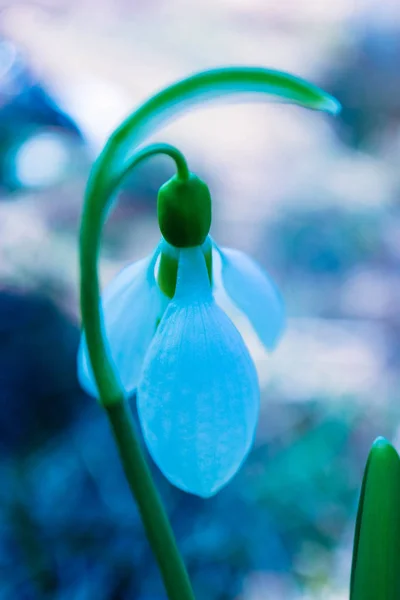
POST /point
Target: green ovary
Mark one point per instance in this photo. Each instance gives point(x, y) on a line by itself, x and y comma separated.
point(184, 211)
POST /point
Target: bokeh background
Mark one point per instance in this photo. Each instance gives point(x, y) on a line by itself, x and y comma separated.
point(315, 199)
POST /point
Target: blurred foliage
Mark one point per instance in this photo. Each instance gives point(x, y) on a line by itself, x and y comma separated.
point(368, 86)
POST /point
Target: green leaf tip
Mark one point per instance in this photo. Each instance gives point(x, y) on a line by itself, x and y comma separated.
point(381, 443)
point(375, 571)
point(331, 105)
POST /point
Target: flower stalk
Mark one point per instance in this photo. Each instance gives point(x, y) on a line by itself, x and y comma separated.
point(152, 512)
point(155, 520)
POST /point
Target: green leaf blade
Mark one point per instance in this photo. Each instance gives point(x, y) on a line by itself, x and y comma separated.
point(376, 554)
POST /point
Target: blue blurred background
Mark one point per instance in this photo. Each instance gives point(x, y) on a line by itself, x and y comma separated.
point(315, 200)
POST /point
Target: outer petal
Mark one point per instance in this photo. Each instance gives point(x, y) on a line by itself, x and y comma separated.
point(254, 293)
point(132, 305)
point(198, 399)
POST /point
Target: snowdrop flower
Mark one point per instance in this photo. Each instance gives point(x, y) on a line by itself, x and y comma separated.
point(159, 329)
point(197, 386)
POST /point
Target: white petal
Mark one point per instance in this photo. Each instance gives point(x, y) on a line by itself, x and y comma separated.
point(198, 398)
point(254, 293)
point(132, 305)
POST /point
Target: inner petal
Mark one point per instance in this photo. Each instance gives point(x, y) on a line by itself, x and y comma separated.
point(168, 267)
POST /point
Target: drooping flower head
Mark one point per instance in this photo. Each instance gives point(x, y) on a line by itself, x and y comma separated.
point(197, 387)
point(160, 329)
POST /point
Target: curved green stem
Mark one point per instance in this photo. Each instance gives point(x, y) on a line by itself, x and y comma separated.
point(175, 99)
point(154, 518)
point(92, 221)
